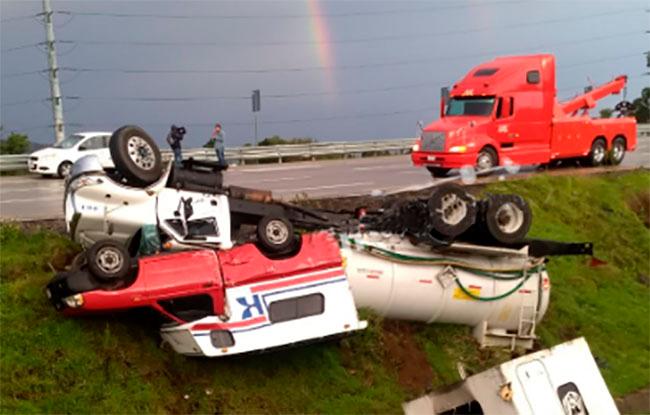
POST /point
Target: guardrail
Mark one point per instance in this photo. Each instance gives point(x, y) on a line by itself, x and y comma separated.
point(278, 153)
point(281, 153)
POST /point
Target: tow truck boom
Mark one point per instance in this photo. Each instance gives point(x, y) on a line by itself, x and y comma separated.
point(588, 100)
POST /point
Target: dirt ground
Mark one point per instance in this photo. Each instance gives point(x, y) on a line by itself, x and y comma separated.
point(404, 356)
point(635, 403)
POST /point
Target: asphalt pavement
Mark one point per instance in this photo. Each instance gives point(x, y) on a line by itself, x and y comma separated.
point(34, 197)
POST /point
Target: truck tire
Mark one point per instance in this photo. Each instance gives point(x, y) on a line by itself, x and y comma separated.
point(598, 153)
point(63, 170)
point(198, 181)
point(507, 218)
point(274, 233)
point(487, 158)
point(617, 152)
point(438, 171)
point(108, 260)
point(135, 155)
point(452, 210)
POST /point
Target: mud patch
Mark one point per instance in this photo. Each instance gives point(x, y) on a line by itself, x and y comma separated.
point(640, 204)
point(635, 403)
point(403, 355)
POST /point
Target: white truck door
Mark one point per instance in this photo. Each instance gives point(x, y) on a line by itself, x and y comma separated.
point(538, 389)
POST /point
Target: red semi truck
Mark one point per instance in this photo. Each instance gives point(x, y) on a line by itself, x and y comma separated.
point(505, 112)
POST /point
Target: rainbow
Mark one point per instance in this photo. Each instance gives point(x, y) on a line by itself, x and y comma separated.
point(322, 39)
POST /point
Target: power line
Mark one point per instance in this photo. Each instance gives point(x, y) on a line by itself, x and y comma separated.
point(222, 44)
point(284, 16)
point(280, 70)
point(18, 18)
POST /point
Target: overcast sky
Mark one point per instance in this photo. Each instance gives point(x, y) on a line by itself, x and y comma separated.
point(331, 70)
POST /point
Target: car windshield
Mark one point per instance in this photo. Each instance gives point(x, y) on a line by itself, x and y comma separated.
point(69, 142)
point(481, 107)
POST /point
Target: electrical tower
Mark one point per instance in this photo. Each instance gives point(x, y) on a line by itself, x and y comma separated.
point(55, 89)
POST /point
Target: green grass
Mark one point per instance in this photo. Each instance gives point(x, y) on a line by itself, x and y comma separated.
point(115, 364)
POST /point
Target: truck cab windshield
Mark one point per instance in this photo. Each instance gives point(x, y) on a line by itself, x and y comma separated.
point(481, 107)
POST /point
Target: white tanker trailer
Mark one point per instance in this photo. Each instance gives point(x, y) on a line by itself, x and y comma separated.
point(501, 292)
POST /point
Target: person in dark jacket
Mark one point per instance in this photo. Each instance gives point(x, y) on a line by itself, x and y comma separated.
point(174, 139)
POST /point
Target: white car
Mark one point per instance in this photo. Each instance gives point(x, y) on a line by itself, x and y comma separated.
point(58, 159)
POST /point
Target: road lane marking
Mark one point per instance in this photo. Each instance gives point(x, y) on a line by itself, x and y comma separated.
point(285, 179)
point(333, 186)
point(383, 167)
point(271, 169)
point(37, 199)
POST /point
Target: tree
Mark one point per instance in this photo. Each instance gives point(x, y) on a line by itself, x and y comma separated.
point(606, 113)
point(642, 106)
point(277, 140)
point(14, 144)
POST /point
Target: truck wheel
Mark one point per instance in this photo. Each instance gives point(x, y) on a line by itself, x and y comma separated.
point(438, 171)
point(598, 153)
point(507, 218)
point(487, 159)
point(617, 153)
point(108, 260)
point(64, 169)
point(135, 155)
point(452, 210)
point(274, 233)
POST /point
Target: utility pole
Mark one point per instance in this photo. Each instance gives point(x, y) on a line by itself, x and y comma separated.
point(55, 89)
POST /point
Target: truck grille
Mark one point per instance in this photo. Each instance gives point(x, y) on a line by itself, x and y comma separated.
point(433, 141)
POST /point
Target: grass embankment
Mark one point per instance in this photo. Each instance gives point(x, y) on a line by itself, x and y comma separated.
point(115, 364)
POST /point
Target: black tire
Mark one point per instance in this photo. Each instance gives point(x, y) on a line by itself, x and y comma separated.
point(275, 233)
point(136, 155)
point(617, 152)
point(63, 170)
point(507, 218)
point(108, 260)
point(452, 210)
point(438, 171)
point(598, 153)
point(198, 181)
point(79, 261)
point(487, 158)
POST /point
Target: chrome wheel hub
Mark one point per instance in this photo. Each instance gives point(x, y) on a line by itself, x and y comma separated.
point(109, 260)
point(140, 152)
point(452, 209)
point(277, 232)
point(509, 218)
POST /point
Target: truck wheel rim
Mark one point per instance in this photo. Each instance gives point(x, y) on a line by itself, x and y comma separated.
point(452, 209)
point(484, 161)
point(599, 154)
point(109, 260)
point(617, 152)
point(277, 232)
point(140, 152)
point(509, 218)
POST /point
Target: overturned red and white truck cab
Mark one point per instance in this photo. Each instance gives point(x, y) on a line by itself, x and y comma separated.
point(228, 302)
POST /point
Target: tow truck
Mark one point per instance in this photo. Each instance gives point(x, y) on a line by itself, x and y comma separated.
point(505, 112)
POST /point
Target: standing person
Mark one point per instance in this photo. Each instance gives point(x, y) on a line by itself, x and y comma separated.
point(174, 139)
point(219, 136)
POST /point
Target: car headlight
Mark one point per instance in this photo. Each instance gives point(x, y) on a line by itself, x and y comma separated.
point(458, 149)
point(416, 146)
point(74, 301)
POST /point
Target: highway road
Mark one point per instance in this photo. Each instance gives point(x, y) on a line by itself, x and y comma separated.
point(33, 197)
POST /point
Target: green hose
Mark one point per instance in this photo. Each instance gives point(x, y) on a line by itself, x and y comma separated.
point(510, 274)
point(496, 297)
point(513, 274)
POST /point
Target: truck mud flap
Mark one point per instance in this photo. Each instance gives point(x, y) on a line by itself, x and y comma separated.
point(541, 248)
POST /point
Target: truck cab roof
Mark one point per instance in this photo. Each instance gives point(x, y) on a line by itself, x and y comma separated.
point(509, 73)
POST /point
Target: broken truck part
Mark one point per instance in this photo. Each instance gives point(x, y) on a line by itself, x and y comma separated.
point(557, 381)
